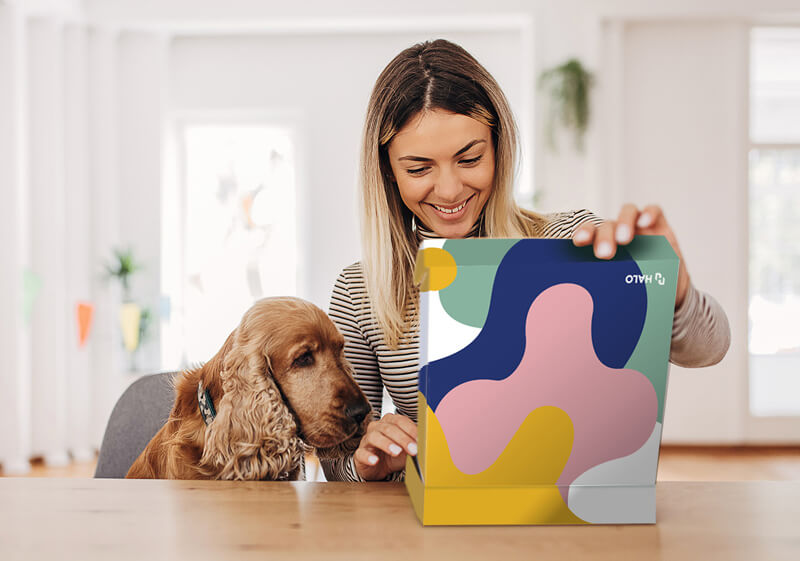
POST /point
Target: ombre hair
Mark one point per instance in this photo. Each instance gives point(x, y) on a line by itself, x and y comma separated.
point(427, 76)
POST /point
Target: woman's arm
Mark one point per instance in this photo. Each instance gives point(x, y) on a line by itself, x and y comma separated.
point(700, 331)
point(358, 352)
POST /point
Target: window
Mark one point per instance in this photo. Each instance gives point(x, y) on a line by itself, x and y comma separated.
point(239, 239)
point(774, 307)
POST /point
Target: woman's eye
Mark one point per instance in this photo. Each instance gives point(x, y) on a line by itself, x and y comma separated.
point(472, 161)
point(417, 171)
point(306, 359)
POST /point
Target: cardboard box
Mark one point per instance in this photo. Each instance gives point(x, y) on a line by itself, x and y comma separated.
point(543, 372)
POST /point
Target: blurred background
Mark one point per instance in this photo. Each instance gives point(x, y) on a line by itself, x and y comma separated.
point(165, 163)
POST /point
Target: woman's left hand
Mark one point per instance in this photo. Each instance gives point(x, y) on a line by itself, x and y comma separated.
point(631, 222)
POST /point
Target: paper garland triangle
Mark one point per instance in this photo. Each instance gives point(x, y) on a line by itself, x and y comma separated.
point(31, 287)
point(85, 314)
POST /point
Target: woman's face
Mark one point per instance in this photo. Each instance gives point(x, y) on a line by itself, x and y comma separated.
point(444, 166)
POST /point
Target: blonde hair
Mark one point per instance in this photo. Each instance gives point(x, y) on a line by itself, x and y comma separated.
point(429, 75)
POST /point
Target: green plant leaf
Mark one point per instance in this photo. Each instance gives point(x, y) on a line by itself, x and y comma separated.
point(567, 86)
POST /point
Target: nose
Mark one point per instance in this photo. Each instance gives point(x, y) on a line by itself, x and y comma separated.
point(357, 411)
point(448, 187)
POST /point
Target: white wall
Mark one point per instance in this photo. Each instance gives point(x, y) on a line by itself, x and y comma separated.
point(140, 79)
point(15, 441)
point(48, 229)
point(105, 345)
point(684, 144)
point(313, 75)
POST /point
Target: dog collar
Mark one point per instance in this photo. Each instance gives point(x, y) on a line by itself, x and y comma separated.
point(205, 403)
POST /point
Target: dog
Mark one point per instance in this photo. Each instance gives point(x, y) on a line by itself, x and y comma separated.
point(278, 388)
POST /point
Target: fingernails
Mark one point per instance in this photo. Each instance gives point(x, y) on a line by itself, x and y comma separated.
point(623, 233)
point(604, 249)
point(412, 449)
point(373, 460)
point(582, 236)
point(644, 220)
point(395, 449)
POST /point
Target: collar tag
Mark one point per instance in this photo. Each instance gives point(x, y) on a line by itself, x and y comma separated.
point(205, 403)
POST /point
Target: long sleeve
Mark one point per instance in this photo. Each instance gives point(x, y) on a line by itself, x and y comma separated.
point(344, 313)
point(700, 331)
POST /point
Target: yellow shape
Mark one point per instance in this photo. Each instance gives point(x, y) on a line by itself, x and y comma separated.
point(435, 269)
point(130, 316)
point(518, 488)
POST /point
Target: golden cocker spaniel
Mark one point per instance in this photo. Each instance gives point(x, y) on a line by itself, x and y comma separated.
point(278, 387)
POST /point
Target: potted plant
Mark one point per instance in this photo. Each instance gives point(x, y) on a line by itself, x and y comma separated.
point(121, 268)
point(568, 87)
point(134, 320)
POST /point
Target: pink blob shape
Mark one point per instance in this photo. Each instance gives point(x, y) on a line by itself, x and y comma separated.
point(613, 411)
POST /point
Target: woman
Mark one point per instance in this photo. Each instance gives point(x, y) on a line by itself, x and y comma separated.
point(438, 156)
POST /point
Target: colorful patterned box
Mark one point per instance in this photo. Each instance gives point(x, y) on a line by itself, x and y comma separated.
point(543, 372)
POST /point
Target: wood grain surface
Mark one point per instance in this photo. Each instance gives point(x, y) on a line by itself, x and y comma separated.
point(147, 520)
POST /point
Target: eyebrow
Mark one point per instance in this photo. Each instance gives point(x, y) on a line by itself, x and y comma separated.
point(422, 159)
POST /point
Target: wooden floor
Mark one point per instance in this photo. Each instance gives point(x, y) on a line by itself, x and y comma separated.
point(676, 463)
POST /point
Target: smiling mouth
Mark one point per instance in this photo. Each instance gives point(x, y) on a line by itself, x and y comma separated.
point(452, 209)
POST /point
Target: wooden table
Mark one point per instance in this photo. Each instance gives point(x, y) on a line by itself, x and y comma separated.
point(55, 519)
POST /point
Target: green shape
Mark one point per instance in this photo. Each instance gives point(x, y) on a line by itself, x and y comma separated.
point(467, 298)
point(31, 286)
point(654, 254)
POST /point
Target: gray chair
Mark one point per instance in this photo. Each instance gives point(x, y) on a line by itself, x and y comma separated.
point(137, 416)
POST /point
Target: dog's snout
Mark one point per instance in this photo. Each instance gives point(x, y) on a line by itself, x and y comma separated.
point(357, 411)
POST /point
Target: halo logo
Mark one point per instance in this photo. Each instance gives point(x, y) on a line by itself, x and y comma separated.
point(646, 279)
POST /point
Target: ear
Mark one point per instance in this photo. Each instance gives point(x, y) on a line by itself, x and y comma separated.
point(254, 435)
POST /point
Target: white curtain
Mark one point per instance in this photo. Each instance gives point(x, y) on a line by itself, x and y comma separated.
point(59, 220)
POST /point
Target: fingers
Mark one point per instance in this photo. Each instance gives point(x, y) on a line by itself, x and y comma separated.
point(401, 440)
point(604, 244)
point(393, 434)
point(584, 234)
point(365, 456)
point(610, 233)
point(625, 227)
point(403, 423)
point(649, 217)
point(601, 236)
point(383, 448)
point(380, 440)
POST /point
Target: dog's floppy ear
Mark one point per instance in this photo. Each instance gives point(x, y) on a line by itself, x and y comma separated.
point(254, 435)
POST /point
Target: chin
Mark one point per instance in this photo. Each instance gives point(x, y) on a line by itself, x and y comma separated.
point(342, 446)
point(455, 230)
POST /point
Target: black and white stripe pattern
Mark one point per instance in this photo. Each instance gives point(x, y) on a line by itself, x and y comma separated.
point(376, 366)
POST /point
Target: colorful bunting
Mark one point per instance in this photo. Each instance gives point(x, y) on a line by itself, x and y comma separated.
point(130, 315)
point(85, 314)
point(31, 286)
point(166, 307)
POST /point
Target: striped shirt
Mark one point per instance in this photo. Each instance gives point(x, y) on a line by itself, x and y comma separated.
point(700, 337)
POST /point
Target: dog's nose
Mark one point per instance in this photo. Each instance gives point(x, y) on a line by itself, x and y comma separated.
point(357, 411)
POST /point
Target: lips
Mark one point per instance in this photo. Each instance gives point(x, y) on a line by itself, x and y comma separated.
point(451, 212)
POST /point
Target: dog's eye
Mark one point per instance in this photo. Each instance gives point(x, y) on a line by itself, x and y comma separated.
point(305, 359)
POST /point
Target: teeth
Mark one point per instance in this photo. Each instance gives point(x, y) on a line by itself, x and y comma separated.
point(450, 210)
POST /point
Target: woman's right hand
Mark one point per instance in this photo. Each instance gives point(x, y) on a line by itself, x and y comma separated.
point(384, 447)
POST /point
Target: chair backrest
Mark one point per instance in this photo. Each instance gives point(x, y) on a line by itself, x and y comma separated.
point(137, 416)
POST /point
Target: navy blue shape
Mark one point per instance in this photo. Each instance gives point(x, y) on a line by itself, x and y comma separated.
point(530, 267)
